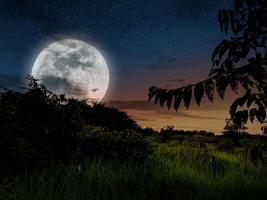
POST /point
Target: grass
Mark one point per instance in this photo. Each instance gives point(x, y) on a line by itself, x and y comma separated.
point(177, 170)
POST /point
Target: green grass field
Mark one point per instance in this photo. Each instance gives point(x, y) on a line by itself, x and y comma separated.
point(185, 167)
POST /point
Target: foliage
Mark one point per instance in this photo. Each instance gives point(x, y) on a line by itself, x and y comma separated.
point(118, 145)
point(239, 60)
point(226, 144)
point(170, 130)
point(109, 117)
point(177, 171)
point(166, 133)
point(148, 131)
point(39, 128)
point(256, 156)
point(232, 127)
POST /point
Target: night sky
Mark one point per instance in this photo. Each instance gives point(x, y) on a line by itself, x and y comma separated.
point(167, 43)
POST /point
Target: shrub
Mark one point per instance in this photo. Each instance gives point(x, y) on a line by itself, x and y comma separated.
point(148, 131)
point(166, 133)
point(225, 144)
point(234, 136)
point(116, 145)
point(39, 128)
point(256, 155)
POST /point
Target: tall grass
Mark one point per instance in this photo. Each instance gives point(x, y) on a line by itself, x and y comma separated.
point(174, 172)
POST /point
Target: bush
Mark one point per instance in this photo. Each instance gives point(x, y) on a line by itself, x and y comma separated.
point(225, 144)
point(148, 131)
point(256, 156)
point(166, 133)
point(39, 128)
point(117, 145)
point(234, 136)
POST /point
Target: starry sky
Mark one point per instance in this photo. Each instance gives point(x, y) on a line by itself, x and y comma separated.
point(167, 43)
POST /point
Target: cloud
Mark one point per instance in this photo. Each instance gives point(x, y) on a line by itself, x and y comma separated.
point(146, 106)
point(63, 85)
point(11, 81)
point(208, 117)
point(136, 105)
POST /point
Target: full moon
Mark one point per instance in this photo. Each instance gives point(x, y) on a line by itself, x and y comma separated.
point(74, 68)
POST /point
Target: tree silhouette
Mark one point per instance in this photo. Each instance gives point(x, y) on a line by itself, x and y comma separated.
point(240, 60)
point(39, 128)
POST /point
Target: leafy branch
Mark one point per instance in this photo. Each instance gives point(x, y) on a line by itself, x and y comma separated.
point(240, 60)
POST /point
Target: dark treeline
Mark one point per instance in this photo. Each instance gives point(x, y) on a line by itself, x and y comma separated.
point(39, 128)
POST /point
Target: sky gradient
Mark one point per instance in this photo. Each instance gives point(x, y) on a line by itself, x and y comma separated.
point(162, 43)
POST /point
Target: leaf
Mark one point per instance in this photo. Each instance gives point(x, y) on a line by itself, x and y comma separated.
point(237, 118)
point(209, 89)
point(221, 85)
point(223, 49)
point(234, 85)
point(217, 62)
point(216, 51)
point(199, 92)
point(238, 102)
point(263, 40)
point(261, 113)
point(229, 66)
point(250, 3)
point(225, 20)
point(250, 100)
point(178, 96)
point(152, 92)
point(245, 82)
point(158, 96)
point(237, 55)
point(238, 5)
point(258, 73)
point(187, 96)
point(245, 50)
point(240, 117)
point(233, 21)
point(163, 97)
point(245, 116)
point(62, 97)
point(170, 98)
point(220, 19)
point(252, 114)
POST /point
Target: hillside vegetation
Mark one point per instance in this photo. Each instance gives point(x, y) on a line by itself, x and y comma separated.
point(53, 148)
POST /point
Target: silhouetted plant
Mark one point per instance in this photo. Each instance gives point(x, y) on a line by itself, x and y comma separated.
point(174, 131)
point(256, 156)
point(226, 144)
point(39, 128)
point(240, 60)
point(109, 117)
point(166, 133)
point(123, 145)
point(149, 131)
point(232, 127)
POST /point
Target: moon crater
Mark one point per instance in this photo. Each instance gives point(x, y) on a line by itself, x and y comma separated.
point(74, 68)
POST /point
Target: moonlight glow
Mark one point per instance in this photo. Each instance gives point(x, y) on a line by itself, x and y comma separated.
point(74, 68)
